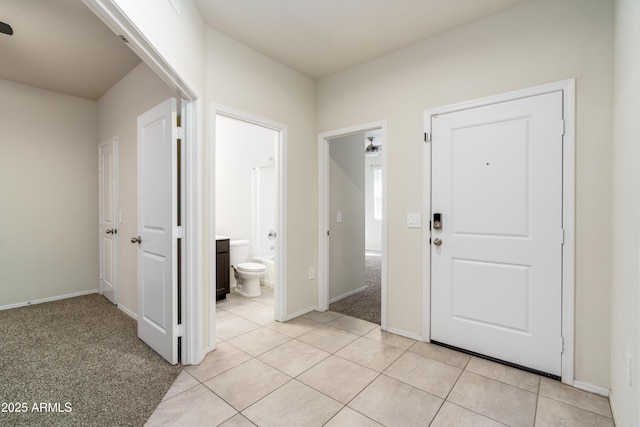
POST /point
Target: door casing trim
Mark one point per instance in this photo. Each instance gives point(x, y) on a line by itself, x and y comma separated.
point(568, 209)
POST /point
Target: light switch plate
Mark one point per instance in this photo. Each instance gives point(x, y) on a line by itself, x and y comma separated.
point(414, 220)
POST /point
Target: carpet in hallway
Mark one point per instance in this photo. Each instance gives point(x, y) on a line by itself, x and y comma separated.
point(364, 305)
point(80, 362)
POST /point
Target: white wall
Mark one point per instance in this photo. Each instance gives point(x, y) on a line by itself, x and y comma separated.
point(625, 307)
point(117, 113)
point(240, 146)
point(373, 227)
point(241, 78)
point(346, 195)
point(49, 190)
point(538, 42)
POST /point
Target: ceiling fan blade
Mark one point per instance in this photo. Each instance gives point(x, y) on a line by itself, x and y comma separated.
point(6, 28)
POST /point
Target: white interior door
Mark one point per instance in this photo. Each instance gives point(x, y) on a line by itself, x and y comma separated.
point(497, 258)
point(108, 228)
point(157, 227)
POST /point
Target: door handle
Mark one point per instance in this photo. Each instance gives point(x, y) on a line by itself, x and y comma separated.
point(112, 231)
point(271, 235)
point(437, 241)
point(137, 240)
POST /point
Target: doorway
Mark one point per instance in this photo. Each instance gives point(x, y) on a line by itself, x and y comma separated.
point(499, 252)
point(352, 226)
point(248, 201)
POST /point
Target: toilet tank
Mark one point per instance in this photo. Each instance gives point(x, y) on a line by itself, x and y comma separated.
point(238, 251)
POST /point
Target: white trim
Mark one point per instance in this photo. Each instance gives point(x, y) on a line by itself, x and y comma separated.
point(403, 333)
point(128, 312)
point(280, 288)
point(348, 294)
point(592, 388)
point(323, 211)
point(300, 313)
point(614, 410)
point(568, 209)
point(118, 21)
point(48, 299)
point(193, 312)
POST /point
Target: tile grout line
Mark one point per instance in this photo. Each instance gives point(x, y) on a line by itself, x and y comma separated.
point(405, 351)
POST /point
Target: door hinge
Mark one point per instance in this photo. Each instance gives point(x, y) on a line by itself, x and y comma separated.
point(561, 344)
point(562, 129)
point(562, 236)
point(327, 232)
point(179, 232)
point(179, 132)
point(180, 331)
point(427, 137)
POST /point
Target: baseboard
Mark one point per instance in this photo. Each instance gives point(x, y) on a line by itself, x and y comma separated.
point(613, 410)
point(49, 299)
point(128, 312)
point(348, 294)
point(403, 334)
point(300, 313)
point(591, 388)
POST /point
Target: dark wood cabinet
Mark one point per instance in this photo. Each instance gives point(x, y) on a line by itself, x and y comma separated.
point(222, 269)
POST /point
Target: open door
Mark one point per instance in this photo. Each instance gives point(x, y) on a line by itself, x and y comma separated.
point(158, 229)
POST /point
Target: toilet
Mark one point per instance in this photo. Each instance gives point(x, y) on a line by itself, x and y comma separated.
point(247, 274)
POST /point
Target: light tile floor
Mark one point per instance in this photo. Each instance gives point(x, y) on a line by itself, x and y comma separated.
point(335, 370)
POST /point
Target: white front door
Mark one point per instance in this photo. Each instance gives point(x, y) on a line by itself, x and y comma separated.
point(157, 228)
point(497, 256)
point(108, 220)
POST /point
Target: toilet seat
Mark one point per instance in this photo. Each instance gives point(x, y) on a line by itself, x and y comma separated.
point(251, 267)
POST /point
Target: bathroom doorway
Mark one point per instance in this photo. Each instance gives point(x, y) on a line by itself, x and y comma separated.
point(352, 262)
point(248, 207)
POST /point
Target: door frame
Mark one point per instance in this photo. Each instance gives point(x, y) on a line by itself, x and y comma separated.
point(568, 208)
point(114, 141)
point(280, 289)
point(324, 217)
point(192, 307)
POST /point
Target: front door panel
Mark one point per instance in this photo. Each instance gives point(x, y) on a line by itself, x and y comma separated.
point(496, 274)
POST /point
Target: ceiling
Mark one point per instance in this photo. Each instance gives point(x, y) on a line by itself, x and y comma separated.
point(60, 45)
point(321, 37)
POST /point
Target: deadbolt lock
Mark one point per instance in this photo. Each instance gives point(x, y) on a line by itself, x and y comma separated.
point(437, 221)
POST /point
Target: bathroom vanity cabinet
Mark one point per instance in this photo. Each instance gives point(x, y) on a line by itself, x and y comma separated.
point(222, 268)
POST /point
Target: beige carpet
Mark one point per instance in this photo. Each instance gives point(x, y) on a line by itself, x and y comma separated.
point(77, 362)
point(366, 304)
